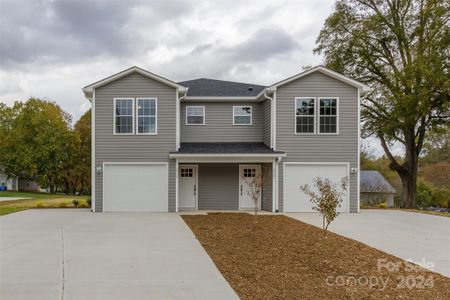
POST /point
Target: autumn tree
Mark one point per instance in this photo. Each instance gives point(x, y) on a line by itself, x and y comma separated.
point(401, 49)
point(83, 168)
point(37, 141)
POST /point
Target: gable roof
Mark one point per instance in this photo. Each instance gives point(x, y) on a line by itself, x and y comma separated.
point(374, 182)
point(87, 90)
point(364, 89)
point(204, 87)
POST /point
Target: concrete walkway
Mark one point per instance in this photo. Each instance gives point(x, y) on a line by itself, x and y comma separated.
point(406, 235)
point(76, 254)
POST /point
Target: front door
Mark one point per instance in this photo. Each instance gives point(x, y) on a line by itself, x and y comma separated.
point(248, 185)
point(188, 187)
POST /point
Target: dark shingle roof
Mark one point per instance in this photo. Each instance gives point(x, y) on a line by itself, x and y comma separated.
point(225, 148)
point(211, 87)
point(374, 182)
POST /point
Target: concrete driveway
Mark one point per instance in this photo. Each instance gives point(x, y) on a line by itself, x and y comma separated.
point(406, 235)
point(76, 254)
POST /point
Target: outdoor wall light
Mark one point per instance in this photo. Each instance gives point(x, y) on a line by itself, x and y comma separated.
point(98, 170)
point(354, 170)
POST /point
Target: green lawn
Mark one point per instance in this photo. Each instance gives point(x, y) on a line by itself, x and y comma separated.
point(30, 195)
point(37, 200)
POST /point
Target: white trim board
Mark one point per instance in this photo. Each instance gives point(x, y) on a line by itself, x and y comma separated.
point(93, 165)
point(87, 90)
point(362, 87)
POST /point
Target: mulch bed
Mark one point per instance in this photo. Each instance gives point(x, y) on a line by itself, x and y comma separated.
point(281, 258)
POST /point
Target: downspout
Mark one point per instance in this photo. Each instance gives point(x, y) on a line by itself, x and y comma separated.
point(271, 117)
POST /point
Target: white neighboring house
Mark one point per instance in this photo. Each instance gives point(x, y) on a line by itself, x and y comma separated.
point(19, 184)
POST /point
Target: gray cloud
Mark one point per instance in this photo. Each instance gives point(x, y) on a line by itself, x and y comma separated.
point(70, 31)
point(51, 48)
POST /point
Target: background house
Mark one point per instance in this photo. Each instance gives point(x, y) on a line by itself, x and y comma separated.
point(376, 189)
point(19, 184)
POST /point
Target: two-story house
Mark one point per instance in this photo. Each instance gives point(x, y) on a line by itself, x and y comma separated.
point(162, 146)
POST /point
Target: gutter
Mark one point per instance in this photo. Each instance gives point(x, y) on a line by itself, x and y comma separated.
point(232, 155)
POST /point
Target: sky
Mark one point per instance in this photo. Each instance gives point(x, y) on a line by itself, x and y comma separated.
point(52, 48)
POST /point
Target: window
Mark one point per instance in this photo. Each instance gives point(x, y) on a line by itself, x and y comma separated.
point(304, 115)
point(328, 119)
point(242, 115)
point(249, 173)
point(186, 172)
point(146, 115)
point(195, 115)
point(123, 116)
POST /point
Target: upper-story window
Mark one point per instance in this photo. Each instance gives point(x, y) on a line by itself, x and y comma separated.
point(195, 115)
point(328, 115)
point(242, 115)
point(146, 115)
point(123, 116)
point(305, 115)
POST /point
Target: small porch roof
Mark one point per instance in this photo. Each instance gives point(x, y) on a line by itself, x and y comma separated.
point(230, 150)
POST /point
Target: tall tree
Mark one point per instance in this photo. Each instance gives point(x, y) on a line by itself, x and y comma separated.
point(400, 48)
point(83, 167)
point(38, 142)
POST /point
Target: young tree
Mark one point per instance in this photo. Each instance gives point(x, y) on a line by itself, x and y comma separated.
point(327, 199)
point(256, 185)
point(401, 48)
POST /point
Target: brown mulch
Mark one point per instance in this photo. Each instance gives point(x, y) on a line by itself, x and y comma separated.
point(281, 258)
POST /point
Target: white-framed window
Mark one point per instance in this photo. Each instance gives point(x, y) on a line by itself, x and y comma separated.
point(195, 115)
point(242, 115)
point(123, 116)
point(305, 115)
point(146, 115)
point(328, 115)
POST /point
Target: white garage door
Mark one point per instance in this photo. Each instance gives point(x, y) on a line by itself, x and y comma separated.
point(296, 175)
point(135, 187)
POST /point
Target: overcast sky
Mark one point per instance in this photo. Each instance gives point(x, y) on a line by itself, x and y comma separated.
point(52, 48)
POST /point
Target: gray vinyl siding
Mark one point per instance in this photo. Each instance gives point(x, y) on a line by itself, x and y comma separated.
point(266, 199)
point(218, 186)
point(266, 105)
point(318, 148)
point(134, 148)
point(219, 124)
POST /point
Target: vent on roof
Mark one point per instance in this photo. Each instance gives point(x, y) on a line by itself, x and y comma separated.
point(250, 88)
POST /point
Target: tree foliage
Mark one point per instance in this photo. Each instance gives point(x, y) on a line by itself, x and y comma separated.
point(39, 143)
point(401, 49)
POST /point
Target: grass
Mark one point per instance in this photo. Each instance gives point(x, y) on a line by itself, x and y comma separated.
point(38, 200)
point(277, 257)
point(427, 212)
point(420, 211)
point(30, 195)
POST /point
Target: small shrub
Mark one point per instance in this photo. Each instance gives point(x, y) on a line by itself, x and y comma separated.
point(88, 201)
point(40, 205)
point(75, 202)
point(382, 205)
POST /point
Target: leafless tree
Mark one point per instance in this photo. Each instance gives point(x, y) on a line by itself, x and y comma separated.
point(256, 185)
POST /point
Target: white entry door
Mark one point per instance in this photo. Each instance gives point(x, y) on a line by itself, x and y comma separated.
point(188, 187)
point(247, 174)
